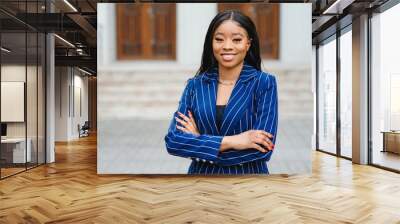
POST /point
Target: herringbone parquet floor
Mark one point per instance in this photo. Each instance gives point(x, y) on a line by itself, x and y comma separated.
point(70, 191)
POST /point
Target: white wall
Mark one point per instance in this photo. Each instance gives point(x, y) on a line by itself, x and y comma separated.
point(61, 103)
point(192, 23)
point(295, 36)
point(106, 37)
point(67, 80)
point(192, 32)
point(13, 72)
point(80, 83)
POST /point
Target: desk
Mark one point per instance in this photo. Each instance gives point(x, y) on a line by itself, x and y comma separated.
point(17, 150)
point(391, 141)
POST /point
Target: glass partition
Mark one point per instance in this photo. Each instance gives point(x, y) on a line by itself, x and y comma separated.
point(346, 94)
point(14, 154)
point(31, 100)
point(327, 96)
point(41, 109)
point(22, 67)
point(385, 85)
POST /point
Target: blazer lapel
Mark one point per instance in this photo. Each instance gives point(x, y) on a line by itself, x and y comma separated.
point(238, 101)
point(236, 106)
point(206, 101)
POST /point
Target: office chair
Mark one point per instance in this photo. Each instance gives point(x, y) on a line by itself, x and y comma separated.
point(84, 130)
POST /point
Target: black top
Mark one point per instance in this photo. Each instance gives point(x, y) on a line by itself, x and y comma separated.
point(220, 115)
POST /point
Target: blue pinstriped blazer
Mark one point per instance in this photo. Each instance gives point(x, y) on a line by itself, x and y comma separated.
point(253, 105)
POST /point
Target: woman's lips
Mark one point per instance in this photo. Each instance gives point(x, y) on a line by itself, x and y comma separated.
point(227, 57)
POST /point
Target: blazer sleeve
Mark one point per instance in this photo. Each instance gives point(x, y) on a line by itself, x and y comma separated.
point(178, 143)
point(266, 119)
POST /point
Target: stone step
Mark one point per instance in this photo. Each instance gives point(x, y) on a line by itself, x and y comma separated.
point(176, 95)
point(173, 99)
point(142, 88)
point(172, 82)
point(182, 77)
point(168, 113)
point(294, 97)
point(143, 77)
point(160, 105)
point(146, 87)
point(151, 86)
point(153, 95)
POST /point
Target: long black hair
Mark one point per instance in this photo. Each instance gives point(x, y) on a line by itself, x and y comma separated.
point(252, 58)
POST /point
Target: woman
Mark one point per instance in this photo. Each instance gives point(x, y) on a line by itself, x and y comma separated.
point(227, 117)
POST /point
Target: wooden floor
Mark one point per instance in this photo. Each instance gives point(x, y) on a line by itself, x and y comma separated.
point(10, 171)
point(388, 159)
point(70, 191)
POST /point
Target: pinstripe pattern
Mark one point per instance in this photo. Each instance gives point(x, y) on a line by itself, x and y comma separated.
point(252, 105)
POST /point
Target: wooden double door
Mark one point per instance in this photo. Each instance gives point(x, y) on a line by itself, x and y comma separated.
point(148, 31)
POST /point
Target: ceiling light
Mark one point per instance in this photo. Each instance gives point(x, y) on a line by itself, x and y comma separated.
point(5, 50)
point(70, 5)
point(338, 6)
point(65, 41)
point(84, 71)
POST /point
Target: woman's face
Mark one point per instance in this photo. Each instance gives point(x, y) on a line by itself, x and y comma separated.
point(230, 44)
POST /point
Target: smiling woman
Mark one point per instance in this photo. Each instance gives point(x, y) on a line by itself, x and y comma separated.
point(226, 120)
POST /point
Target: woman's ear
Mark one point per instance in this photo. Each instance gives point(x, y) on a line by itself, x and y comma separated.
point(248, 45)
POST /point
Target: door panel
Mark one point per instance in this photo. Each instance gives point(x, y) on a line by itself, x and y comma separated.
point(146, 31)
point(266, 19)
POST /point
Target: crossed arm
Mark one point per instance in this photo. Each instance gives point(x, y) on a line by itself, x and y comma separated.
point(184, 139)
point(245, 140)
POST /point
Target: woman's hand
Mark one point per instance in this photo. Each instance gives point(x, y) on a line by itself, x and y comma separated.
point(255, 139)
point(188, 123)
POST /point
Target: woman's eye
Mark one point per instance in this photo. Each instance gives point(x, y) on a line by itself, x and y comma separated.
point(218, 39)
point(237, 40)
